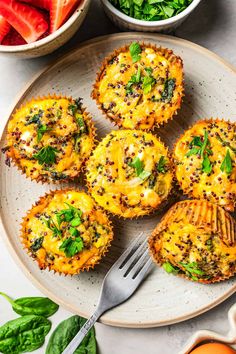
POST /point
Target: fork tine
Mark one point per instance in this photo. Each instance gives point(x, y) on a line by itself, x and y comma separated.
point(146, 269)
point(136, 255)
point(127, 252)
point(139, 265)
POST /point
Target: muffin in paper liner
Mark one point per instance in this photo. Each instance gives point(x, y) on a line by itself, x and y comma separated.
point(65, 231)
point(142, 90)
point(50, 138)
point(196, 239)
point(130, 173)
point(205, 162)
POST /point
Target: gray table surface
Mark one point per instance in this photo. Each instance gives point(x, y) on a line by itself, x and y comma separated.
point(212, 25)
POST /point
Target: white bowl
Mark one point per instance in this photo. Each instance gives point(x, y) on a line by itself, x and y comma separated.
point(205, 336)
point(52, 41)
point(129, 23)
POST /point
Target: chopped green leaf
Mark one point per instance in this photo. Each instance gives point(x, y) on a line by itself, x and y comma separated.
point(169, 268)
point(144, 175)
point(161, 165)
point(53, 227)
point(73, 231)
point(148, 82)
point(35, 119)
point(226, 165)
point(42, 129)
point(37, 244)
point(192, 268)
point(137, 164)
point(168, 90)
point(75, 222)
point(72, 246)
point(206, 164)
point(135, 51)
point(46, 155)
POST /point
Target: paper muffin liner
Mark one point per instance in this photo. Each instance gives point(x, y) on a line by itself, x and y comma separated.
point(228, 207)
point(47, 179)
point(205, 216)
point(49, 267)
point(167, 53)
point(171, 197)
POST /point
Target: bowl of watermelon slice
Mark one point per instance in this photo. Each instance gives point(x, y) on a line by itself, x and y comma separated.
point(33, 28)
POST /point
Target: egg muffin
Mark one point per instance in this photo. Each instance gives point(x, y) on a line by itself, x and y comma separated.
point(140, 86)
point(50, 138)
point(196, 239)
point(129, 173)
point(205, 161)
point(66, 231)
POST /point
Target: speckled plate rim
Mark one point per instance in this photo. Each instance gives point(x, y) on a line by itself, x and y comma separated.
point(3, 232)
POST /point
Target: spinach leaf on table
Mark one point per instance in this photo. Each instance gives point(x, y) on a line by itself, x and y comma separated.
point(24, 334)
point(65, 332)
point(41, 306)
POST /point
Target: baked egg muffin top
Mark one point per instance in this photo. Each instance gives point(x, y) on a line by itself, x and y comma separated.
point(49, 139)
point(140, 86)
point(66, 232)
point(205, 162)
point(129, 173)
point(196, 239)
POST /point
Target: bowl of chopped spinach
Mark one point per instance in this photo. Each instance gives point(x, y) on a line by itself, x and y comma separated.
point(149, 15)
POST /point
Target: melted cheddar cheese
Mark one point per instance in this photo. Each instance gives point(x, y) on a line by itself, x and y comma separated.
point(129, 173)
point(194, 248)
point(45, 242)
point(216, 181)
point(49, 139)
point(143, 94)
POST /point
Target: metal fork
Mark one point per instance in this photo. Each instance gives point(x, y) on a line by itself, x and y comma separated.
point(119, 284)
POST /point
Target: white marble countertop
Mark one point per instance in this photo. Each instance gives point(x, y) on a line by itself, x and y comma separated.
point(212, 25)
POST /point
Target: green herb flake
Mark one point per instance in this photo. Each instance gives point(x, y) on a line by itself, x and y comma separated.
point(192, 268)
point(37, 244)
point(72, 246)
point(35, 119)
point(46, 155)
point(227, 165)
point(148, 83)
point(53, 227)
point(168, 91)
point(137, 164)
point(42, 129)
point(169, 268)
point(135, 51)
point(161, 165)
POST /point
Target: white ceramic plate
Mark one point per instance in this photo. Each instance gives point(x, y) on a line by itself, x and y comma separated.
point(162, 299)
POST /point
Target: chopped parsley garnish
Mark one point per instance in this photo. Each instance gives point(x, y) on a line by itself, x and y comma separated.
point(169, 268)
point(81, 123)
point(71, 246)
point(192, 269)
point(226, 165)
point(137, 164)
point(37, 244)
point(225, 143)
point(135, 51)
point(53, 227)
point(46, 155)
point(71, 217)
point(148, 82)
point(151, 10)
point(42, 129)
point(201, 148)
point(161, 165)
point(36, 118)
point(169, 87)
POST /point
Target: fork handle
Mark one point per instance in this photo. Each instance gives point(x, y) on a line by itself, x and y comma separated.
point(73, 345)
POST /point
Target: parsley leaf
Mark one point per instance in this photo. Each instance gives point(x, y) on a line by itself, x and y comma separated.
point(72, 246)
point(201, 148)
point(53, 227)
point(161, 165)
point(36, 118)
point(42, 129)
point(148, 82)
point(135, 51)
point(135, 79)
point(137, 164)
point(46, 155)
point(37, 244)
point(227, 163)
